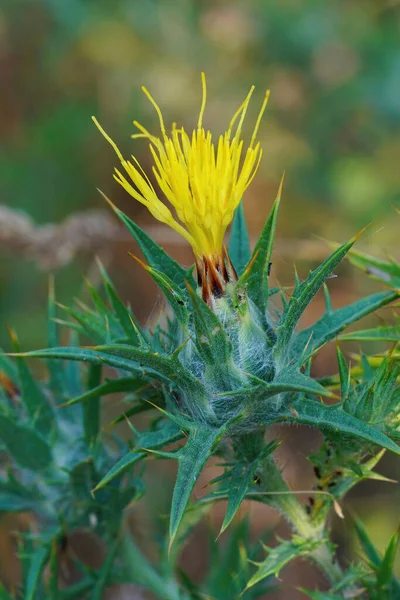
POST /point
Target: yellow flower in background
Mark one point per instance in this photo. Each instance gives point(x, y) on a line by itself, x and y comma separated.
point(202, 181)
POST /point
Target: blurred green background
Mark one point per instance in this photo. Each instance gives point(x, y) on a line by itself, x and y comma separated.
point(332, 124)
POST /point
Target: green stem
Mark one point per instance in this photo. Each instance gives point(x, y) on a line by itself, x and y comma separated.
point(271, 480)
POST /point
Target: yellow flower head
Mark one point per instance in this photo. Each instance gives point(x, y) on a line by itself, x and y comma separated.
point(202, 181)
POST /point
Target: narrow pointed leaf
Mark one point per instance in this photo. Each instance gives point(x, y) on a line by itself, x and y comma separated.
point(111, 386)
point(379, 334)
point(164, 436)
point(386, 271)
point(211, 339)
point(154, 254)
point(303, 294)
point(255, 276)
point(125, 317)
point(333, 418)
point(34, 398)
point(281, 555)
point(176, 297)
point(91, 408)
point(239, 244)
point(385, 572)
point(191, 461)
point(331, 324)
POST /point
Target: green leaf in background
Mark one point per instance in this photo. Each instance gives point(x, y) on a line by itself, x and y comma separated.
point(37, 403)
point(25, 444)
point(239, 244)
point(386, 271)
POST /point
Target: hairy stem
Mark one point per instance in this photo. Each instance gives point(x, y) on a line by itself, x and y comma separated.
point(271, 480)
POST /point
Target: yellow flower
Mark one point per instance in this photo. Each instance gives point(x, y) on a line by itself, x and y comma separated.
point(203, 182)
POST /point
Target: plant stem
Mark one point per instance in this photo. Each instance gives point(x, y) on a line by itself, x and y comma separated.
point(271, 480)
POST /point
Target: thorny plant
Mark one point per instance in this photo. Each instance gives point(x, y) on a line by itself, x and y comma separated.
point(222, 365)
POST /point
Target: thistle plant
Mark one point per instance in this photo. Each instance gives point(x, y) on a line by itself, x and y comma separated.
point(224, 363)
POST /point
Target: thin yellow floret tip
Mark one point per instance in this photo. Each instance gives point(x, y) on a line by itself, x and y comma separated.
point(203, 182)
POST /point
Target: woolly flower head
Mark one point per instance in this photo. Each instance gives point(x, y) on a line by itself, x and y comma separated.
point(203, 181)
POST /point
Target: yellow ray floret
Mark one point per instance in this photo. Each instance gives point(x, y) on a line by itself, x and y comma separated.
point(203, 182)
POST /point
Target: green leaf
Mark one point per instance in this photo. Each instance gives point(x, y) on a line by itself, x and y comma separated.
point(384, 574)
point(4, 595)
point(56, 372)
point(239, 245)
point(255, 275)
point(25, 445)
point(15, 497)
point(281, 555)
point(175, 296)
point(380, 334)
point(38, 561)
point(303, 294)
point(334, 418)
point(370, 551)
point(191, 460)
point(332, 323)
point(152, 440)
point(105, 572)
point(91, 408)
point(126, 319)
point(386, 271)
point(241, 479)
point(142, 572)
point(110, 386)
point(154, 254)
point(35, 400)
point(211, 340)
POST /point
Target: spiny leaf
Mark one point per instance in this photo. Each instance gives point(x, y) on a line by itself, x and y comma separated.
point(334, 418)
point(191, 460)
point(239, 245)
point(57, 383)
point(125, 317)
point(304, 293)
point(110, 386)
point(281, 555)
point(253, 277)
point(35, 400)
point(381, 334)
point(241, 479)
point(332, 323)
point(164, 436)
point(176, 297)
point(154, 254)
point(91, 408)
point(386, 271)
point(211, 339)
